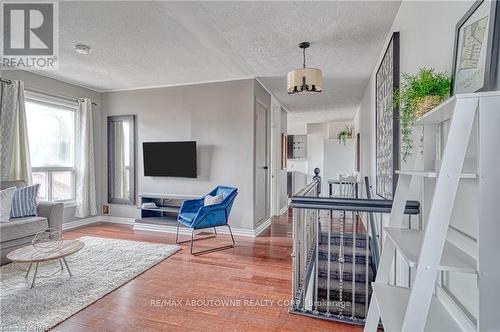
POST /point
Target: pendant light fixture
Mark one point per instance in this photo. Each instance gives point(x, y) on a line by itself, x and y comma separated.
point(304, 79)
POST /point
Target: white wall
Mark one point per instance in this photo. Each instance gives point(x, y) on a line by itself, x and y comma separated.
point(54, 87)
point(316, 134)
point(426, 32)
point(219, 116)
point(338, 158)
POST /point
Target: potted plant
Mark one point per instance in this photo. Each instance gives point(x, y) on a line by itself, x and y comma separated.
point(418, 94)
point(344, 134)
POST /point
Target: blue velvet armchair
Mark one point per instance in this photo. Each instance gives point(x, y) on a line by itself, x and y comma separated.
point(195, 215)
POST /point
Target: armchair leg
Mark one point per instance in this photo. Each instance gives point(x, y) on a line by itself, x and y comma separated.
point(177, 234)
point(192, 231)
point(192, 240)
point(212, 249)
point(230, 232)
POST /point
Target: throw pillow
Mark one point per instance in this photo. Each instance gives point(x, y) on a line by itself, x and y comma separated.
point(6, 203)
point(25, 202)
point(211, 200)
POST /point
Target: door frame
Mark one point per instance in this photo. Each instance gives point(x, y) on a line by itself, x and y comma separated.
point(275, 157)
point(268, 161)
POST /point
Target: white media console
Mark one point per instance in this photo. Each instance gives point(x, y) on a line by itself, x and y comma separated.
point(166, 210)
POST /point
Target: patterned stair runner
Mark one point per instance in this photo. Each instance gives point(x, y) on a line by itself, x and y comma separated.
point(341, 273)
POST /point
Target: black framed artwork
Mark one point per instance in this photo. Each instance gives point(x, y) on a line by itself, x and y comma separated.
point(476, 50)
point(386, 120)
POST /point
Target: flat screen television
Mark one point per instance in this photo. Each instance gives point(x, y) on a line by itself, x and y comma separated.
point(172, 159)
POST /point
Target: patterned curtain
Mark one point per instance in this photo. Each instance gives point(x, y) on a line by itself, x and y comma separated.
point(15, 161)
point(85, 174)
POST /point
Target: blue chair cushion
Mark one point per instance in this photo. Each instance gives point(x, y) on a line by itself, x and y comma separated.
point(224, 191)
point(187, 216)
point(185, 222)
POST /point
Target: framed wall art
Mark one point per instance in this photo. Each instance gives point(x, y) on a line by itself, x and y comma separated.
point(283, 150)
point(386, 120)
point(477, 37)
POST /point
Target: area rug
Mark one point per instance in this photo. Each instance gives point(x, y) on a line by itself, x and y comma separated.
point(99, 268)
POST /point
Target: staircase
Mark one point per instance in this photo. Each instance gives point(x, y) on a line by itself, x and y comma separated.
point(334, 253)
point(339, 293)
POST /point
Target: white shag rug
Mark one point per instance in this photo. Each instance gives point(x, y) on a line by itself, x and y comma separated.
point(100, 267)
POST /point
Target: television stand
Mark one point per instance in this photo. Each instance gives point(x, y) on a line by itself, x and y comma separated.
point(167, 210)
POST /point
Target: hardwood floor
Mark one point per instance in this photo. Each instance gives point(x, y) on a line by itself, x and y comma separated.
point(257, 272)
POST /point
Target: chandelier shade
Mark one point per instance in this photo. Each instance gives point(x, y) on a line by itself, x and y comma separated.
point(304, 79)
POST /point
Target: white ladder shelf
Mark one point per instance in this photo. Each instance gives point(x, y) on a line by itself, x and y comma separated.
point(417, 308)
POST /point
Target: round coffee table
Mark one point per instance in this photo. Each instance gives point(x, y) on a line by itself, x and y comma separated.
point(29, 254)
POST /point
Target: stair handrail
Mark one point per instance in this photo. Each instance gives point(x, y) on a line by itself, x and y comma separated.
point(374, 237)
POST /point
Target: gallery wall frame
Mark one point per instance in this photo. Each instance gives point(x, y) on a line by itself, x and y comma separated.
point(476, 61)
point(387, 120)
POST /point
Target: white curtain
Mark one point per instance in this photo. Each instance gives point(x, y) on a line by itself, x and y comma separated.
point(85, 173)
point(15, 161)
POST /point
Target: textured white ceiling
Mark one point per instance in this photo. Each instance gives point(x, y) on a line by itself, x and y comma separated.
point(144, 44)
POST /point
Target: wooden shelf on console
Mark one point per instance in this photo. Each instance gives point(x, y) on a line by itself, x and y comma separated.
point(162, 209)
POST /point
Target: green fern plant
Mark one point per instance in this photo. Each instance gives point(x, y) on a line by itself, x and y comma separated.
point(344, 134)
point(418, 94)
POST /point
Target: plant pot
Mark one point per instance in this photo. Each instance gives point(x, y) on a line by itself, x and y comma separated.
point(425, 104)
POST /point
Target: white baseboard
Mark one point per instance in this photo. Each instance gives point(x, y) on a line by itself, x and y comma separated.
point(161, 228)
point(262, 227)
point(118, 220)
point(186, 231)
point(284, 209)
point(80, 222)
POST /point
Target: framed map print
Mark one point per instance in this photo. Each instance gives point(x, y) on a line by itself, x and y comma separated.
point(476, 61)
point(386, 120)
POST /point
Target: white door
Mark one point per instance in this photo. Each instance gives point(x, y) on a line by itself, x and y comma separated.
point(262, 183)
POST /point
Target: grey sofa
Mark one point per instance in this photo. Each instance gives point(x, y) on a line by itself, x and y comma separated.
point(20, 231)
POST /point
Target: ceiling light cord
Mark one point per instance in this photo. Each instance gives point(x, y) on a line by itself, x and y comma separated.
point(304, 54)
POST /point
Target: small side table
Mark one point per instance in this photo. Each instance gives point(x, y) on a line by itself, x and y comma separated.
point(29, 254)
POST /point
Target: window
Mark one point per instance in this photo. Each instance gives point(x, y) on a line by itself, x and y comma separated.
point(51, 133)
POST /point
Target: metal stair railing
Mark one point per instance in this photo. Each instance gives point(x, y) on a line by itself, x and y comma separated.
point(335, 253)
